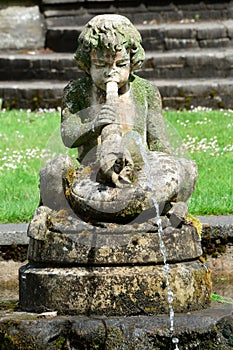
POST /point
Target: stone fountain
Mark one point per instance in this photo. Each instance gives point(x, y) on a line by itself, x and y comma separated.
point(111, 249)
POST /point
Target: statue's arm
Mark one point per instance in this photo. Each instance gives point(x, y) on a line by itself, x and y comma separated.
point(82, 122)
point(156, 132)
point(74, 131)
point(76, 117)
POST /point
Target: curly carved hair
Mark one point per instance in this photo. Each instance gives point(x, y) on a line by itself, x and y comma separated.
point(109, 32)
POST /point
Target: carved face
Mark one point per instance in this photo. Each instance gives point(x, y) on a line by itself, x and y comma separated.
point(110, 66)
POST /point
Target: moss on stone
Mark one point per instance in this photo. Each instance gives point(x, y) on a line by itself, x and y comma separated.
point(195, 222)
point(77, 94)
point(61, 343)
point(114, 339)
point(17, 341)
point(9, 305)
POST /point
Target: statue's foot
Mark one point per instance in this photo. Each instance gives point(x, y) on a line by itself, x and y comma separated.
point(178, 214)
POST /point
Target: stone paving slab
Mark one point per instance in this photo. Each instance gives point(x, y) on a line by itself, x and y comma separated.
point(214, 220)
point(13, 234)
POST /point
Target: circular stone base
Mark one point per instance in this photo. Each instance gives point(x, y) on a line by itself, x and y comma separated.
point(208, 329)
point(125, 290)
point(112, 245)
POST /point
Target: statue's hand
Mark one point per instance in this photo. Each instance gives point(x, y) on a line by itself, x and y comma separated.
point(106, 116)
point(123, 171)
point(118, 171)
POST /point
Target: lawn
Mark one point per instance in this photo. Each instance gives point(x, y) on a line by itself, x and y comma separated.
point(28, 139)
point(206, 136)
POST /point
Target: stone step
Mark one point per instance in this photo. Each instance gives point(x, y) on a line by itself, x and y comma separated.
point(176, 93)
point(35, 65)
point(67, 12)
point(157, 65)
point(163, 36)
point(188, 64)
point(187, 93)
point(31, 93)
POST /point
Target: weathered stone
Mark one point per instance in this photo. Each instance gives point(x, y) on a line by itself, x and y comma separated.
point(209, 329)
point(229, 27)
point(48, 94)
point(178, 213)
point(51, 188)
point(220, 262)
point(173, 44)
point(13, 234)
point(187, 64)
point(180, 32)
point(91, 200)
point(211, 31)
point(21, 27)
point(126, 290)
point(223, 42)
point(193, 93)
point(128, 175)
point(66, 240)
point(43, 66)
point(67, 39)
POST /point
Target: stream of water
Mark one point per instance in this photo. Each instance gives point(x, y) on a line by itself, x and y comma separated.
point(158, 222)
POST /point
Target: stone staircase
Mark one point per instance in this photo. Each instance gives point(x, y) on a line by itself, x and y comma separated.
point(189, 52)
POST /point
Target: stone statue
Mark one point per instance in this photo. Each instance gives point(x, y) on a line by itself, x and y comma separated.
point(114, 117)
point(95, 240)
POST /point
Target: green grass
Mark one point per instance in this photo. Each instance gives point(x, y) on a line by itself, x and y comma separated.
point(207, 138)
point(24, 138)
point(27, 139)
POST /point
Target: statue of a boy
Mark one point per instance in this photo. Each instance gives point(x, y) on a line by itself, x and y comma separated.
point(109, 50)
point(114, 117)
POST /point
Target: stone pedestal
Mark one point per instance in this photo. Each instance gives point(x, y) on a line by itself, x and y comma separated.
point(77, 268)
point(128, 290)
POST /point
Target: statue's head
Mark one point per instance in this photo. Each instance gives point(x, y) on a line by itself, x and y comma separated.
point(109, 32)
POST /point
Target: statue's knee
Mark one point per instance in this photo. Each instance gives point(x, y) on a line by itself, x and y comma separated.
point(51, 183)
